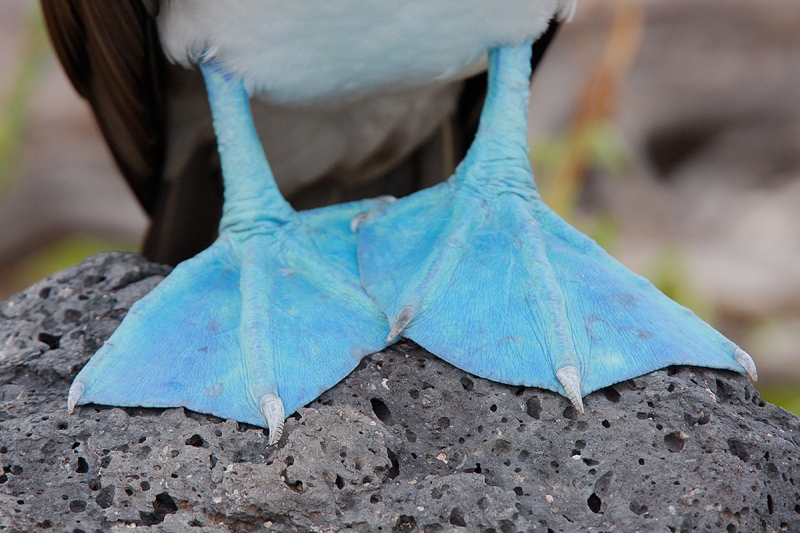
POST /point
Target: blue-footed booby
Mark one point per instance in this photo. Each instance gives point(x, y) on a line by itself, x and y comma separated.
point(282, 304)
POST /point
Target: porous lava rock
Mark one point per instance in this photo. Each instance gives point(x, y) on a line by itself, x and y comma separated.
point(407, 443)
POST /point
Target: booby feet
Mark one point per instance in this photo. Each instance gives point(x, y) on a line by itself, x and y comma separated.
point(483, 274)
point(260, 323)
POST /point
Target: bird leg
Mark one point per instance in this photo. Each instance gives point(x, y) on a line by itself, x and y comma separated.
point(263, 321)
point(479, 271)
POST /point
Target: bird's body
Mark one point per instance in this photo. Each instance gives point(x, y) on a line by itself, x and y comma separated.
point(322, 50)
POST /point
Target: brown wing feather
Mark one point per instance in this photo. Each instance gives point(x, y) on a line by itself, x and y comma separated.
point(111, 53)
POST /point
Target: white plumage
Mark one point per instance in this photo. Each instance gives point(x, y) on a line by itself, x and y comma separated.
point(304, 50)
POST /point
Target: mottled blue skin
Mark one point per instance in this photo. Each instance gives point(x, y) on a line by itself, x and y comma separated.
point(501, 286)
point(275, 305)
point(505, 289)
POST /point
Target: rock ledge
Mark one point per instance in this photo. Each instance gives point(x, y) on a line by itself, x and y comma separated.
point(406, 443)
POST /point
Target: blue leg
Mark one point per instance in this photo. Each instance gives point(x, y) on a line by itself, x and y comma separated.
point(260, 323)
point(483, 274)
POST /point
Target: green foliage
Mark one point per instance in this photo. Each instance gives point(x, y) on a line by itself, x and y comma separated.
point(786, 395)
point(57, 256)
point(14, 111)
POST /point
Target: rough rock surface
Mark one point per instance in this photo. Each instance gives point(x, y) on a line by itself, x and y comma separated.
point(406, 443)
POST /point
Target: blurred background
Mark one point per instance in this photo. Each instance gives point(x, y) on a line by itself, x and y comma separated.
point(668, 130)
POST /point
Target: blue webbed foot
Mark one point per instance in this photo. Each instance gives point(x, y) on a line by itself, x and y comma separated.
point(260, 323)
point(483, 274)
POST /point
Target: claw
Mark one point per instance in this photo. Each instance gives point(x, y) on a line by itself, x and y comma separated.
point(366, 215)
point(570, 379)
point(75, 393)
point(744, 359)
point(273, 412)
point(406, 315)
point(359, 219)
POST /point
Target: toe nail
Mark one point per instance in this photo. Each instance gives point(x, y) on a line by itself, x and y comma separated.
point(273, 412)
point(359, 219)
point(75, 393)
point(744, 359)
point(570, 379)
point(403, 319)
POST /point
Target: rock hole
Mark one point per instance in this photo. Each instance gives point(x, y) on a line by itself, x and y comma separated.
point(404, 524)
point(591, 462)
point(770, 504)
point(502, 447)
point(212, 461)
point(296, 486)
point(82, 467)
point(476, 470)
point(606, 424)
point(594, 503)
point(457, 518)
point(77, 506)
point(375, 498)
point(53, 341)
point(612, 394)
point(61, 426)
point(724, 391)
point(411, 436)
point(673, 370)
point(105, 498)
point(467, 383)
point(414, 393)
point(145, 486)
point(638, 508)
point(289, 460)
point(94, 484)
point(675, 441)
point(518, 491)
point(195, 440)
point(533, 407)
point(394, 471)
point(671, 387)
point(523, 455)
point(129, 491)
point(493, 408)
point(641, 461)
point(339, 482)
point(381, 410)
point(570, 413)
point(520, 391)
point(443, 422)
point(44, 293)
point(739, 449)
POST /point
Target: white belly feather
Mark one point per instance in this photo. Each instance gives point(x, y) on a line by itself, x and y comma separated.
point(301, 50)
